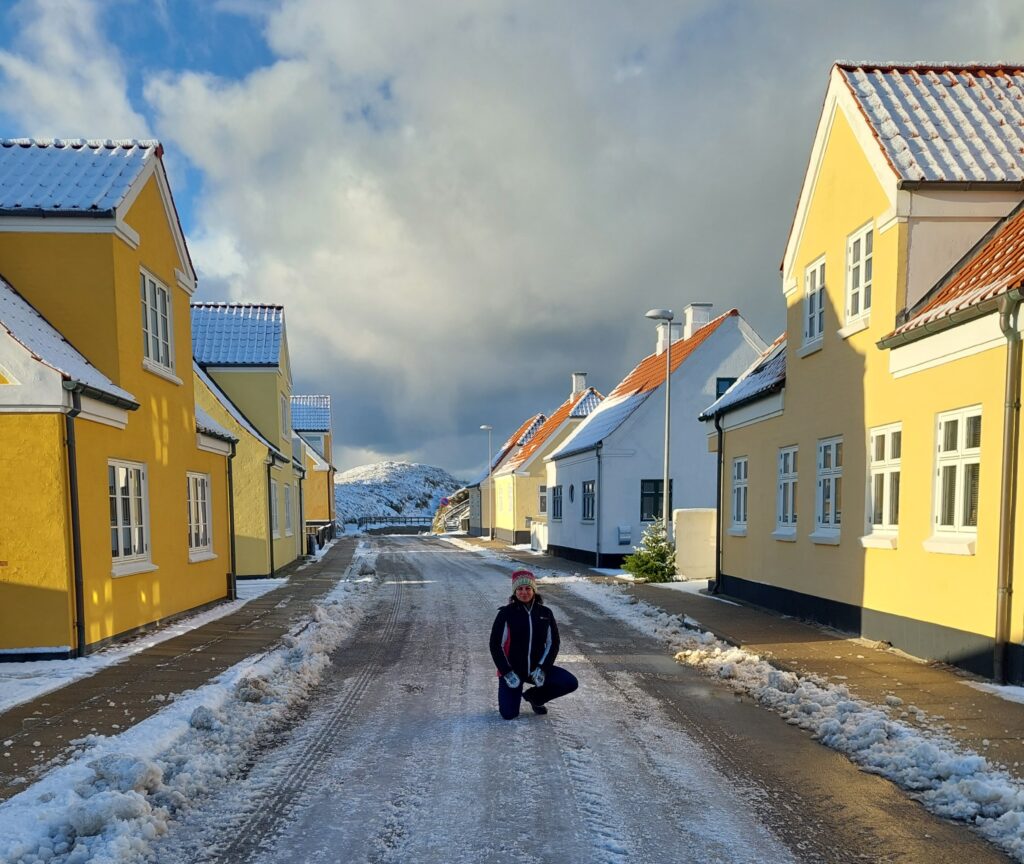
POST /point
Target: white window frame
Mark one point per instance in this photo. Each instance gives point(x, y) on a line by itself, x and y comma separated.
point(828, 490)
point(151, 290)
point(859, 273)
point(587, 499)
point(814, 302)
point(289, 528)
point(542, 500)
point(881, 516)
point(957, 536)
point(740, 477)
point(275, 521)
point(136, 521)
point(285, 426)
point(786, 492)
point(556, 503)
point(200, 524)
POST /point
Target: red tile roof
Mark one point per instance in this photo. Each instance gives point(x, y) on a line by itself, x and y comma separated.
point(993, 267)
point(551, 425)
point(516, 437)
point(650, 372)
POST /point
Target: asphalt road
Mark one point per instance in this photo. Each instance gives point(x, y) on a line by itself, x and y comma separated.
point(401, 755)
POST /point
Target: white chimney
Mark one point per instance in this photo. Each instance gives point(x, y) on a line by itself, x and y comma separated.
point(579, 383)
point(676, 330)
point(695, 316)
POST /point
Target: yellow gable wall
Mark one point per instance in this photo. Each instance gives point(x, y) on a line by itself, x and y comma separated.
point(252, 555)
point(35, 553)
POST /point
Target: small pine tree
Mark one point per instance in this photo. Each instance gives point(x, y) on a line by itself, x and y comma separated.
point(654, 560)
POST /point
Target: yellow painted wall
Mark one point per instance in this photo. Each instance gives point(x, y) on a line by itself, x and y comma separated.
point(846, 389)
point(88, 287)
point(318, 489)
point(36, 604)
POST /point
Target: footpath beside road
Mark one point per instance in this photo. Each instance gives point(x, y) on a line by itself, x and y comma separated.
point(981, 721)
point(37, 735)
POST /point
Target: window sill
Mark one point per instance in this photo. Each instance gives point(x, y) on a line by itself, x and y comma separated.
point(951, 545)
point(587, 521)
point(825, 537)
point(289, 533)
point(878, 540)
point(855, 326)
point(737, 531)
point(809, 348)
point(200, 555)
point(785, 535)
point(160, 371)
point(131, 568)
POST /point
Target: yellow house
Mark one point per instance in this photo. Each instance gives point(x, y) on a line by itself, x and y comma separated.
point(853, 489)
point(114, 487)
point(481, 494)
point(243, 349)
point(312, 422)
point(520, 492)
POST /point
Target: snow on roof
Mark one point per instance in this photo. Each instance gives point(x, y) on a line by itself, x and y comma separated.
point(994, 266)
point(233, 409)
point(311, 413)
point(237, 334)
point(577, 405)
point(946, 123)
point(524, 433)
point(206, 425)
point(69, 177)
point(20, 319)
point(766, 374)
point(311, 451)
point(646, 377)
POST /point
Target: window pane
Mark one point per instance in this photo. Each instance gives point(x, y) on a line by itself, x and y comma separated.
point(826, 456)
point(838, 501)
point(784, 503)
point(868, 238)
point(972, 432)
point(856, 249)
point(877, 498)
point(895, 444)
point(867, 290)
point(793, 501)
point(950, 433)
point(879, 448)
point(948, 491)
point(894, 498)
point(826, 501)
point(971, 473)
point(794, 461)
point(839, 454)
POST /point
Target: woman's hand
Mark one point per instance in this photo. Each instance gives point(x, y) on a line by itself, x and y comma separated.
point(512, 679)
point(537, 676)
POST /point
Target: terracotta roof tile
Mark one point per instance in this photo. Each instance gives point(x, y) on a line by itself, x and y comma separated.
point(570, 407)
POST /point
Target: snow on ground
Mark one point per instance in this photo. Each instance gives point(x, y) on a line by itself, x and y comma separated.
point(1004, 691)
point(22, 682)
point(392, 489)
point(949, 780)
point(120, 792)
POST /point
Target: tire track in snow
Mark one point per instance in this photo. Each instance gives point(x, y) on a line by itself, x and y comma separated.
point(270, 810)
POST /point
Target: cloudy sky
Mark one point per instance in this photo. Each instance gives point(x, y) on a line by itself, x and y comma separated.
point(460, 203)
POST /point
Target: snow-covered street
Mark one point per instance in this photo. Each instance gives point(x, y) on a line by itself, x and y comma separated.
point(400, 754)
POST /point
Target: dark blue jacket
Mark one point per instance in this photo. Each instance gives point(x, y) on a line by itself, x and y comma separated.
point(524, 638)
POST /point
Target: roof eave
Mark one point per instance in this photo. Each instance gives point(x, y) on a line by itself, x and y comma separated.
point(91, 392)
point(947, 322)
point(739, 403)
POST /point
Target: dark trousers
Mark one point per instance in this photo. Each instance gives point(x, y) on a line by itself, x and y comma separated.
point(557, 682)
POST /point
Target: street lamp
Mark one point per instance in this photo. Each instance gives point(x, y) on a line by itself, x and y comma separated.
point(665, 315)
point(490, 483)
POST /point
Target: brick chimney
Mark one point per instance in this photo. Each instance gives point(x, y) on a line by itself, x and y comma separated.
point(695, 316)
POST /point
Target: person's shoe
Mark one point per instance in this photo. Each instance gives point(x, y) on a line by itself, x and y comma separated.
point(537, 709)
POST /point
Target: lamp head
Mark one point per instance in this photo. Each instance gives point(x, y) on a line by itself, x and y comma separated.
point(486, 427)
point(660, 314)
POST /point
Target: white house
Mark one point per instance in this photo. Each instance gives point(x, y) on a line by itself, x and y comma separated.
point(608, 474)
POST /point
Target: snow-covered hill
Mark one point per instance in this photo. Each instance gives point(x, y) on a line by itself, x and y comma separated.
point(392, 489)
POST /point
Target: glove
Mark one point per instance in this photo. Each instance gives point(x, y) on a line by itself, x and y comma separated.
point(512, 679)
point(537, 677)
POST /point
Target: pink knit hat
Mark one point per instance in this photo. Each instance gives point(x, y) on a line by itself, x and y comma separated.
point(523, 577)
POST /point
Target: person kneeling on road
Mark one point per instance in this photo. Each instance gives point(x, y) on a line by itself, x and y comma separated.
point(524, 645)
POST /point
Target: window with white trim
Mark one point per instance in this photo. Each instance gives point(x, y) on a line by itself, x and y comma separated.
point(288, 529)
point(284, 416)
point(651, 502)
point(785, 505)
point(198, 512)
point(885, 447)
point(588, 500)
point(129, 511)
point(957, 471)
point(829, 507)
point(814, 301)
point(739, 492)
point(556, 502)
point(859, 258)
point(542, 500)
point(157, 341)
point(275, 525)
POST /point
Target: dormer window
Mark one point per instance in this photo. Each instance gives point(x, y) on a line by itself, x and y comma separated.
point(156, 324)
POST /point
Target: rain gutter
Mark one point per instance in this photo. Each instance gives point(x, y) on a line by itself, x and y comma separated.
point(960, 316)
point(99, 395)
point(718, 505)
point(270, 515)
point(233, 575)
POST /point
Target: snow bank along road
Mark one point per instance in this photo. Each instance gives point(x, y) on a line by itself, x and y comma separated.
point(371, 734)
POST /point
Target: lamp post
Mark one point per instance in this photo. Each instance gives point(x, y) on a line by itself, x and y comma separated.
point(490, 482)
point(665, 315)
